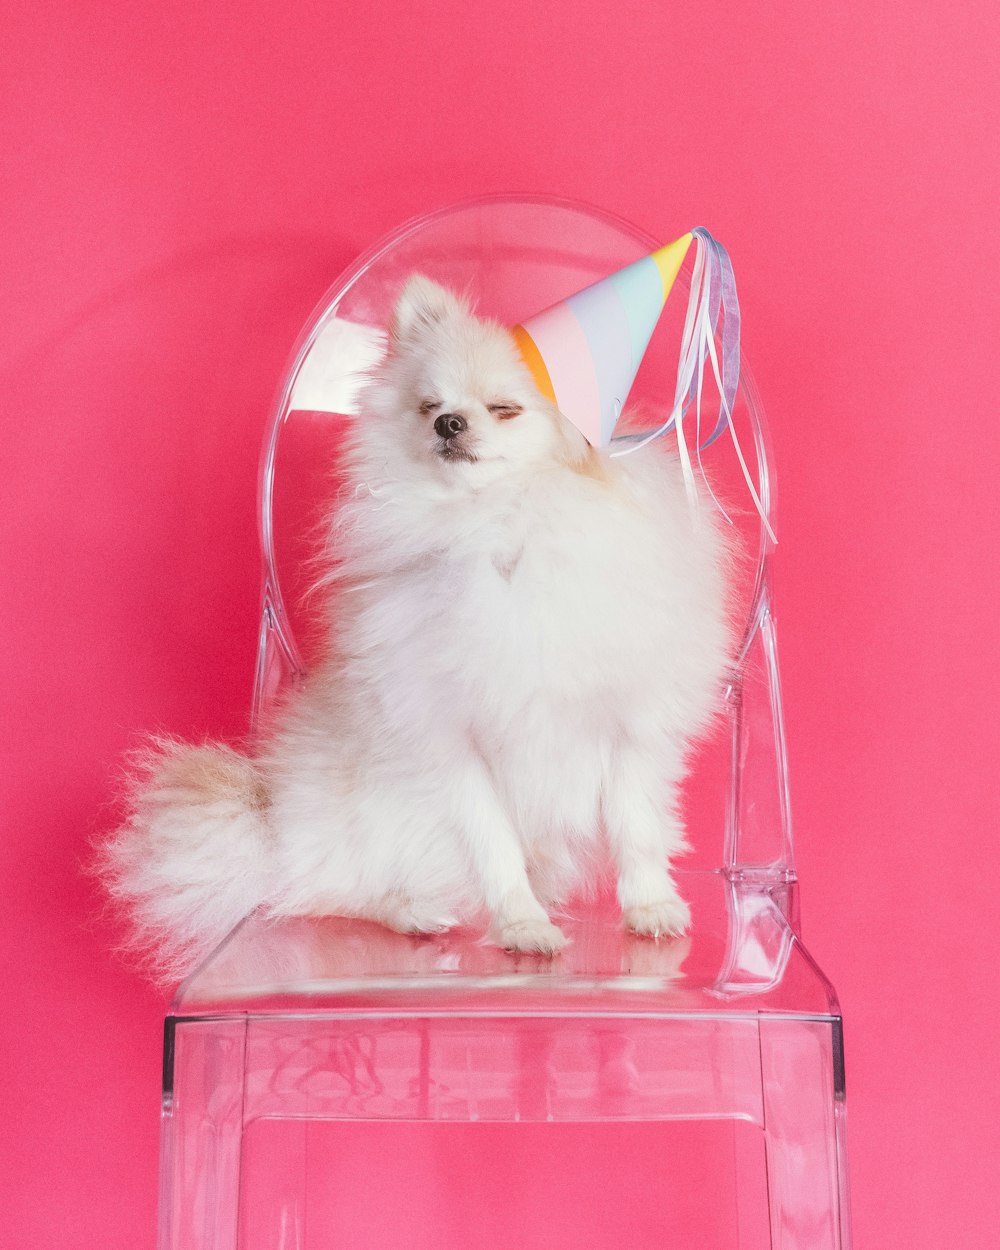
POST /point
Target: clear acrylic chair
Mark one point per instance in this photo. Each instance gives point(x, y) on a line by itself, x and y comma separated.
point(328, 1083)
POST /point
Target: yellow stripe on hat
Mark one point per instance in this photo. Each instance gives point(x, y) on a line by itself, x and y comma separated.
point(533, 359)
point(669, 260)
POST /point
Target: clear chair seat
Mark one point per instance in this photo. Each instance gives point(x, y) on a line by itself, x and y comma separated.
point(742, 957)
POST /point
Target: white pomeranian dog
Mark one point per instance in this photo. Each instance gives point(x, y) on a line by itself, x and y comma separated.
point(525, 637)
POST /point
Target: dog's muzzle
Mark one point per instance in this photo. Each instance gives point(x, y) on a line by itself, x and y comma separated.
point(449, 424)
point(448, 427)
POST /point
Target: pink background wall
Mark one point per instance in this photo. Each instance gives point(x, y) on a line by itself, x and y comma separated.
point(181, 182)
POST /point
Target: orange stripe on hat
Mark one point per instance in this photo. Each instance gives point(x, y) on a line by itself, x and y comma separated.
point(533, 359)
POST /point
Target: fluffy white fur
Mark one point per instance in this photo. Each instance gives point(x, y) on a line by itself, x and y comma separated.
point(524, 638)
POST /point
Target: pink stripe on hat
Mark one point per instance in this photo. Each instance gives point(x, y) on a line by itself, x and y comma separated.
point(563, 346)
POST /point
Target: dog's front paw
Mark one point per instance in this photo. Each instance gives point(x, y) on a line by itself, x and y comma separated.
point(531, 937)
point(668, 918)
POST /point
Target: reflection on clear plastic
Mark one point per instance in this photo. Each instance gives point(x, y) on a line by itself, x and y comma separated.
point(337, 366)
point(329, 1083)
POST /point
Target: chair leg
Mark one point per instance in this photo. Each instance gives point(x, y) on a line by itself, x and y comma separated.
point(804, 1128)
point(201, 1135)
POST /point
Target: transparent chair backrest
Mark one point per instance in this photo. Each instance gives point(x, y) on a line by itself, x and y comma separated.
point(515, 256)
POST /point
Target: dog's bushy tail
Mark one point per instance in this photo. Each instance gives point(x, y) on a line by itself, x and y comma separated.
point(191, 859)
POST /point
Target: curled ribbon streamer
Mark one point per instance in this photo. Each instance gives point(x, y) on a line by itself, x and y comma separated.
point(713, 300)
point(724, 298)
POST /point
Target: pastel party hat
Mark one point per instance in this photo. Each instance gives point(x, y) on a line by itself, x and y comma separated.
point(584, 352)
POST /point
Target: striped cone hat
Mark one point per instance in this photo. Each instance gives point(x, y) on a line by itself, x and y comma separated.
point(585, 351)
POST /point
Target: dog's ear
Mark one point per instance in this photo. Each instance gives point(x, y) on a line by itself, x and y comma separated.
point(422, 306)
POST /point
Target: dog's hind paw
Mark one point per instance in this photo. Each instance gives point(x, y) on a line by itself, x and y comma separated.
point(411, 916)
point(531, 937)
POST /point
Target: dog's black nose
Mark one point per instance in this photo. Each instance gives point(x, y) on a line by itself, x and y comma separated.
point(449, 424)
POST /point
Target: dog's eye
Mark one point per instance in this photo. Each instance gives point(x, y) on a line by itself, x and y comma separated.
point(506, 410)
point(428, 406)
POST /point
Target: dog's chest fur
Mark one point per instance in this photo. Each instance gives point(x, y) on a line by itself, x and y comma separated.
point(558, 593)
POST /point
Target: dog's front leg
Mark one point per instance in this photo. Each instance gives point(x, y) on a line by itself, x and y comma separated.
point(640, 813)
point(519, 921)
